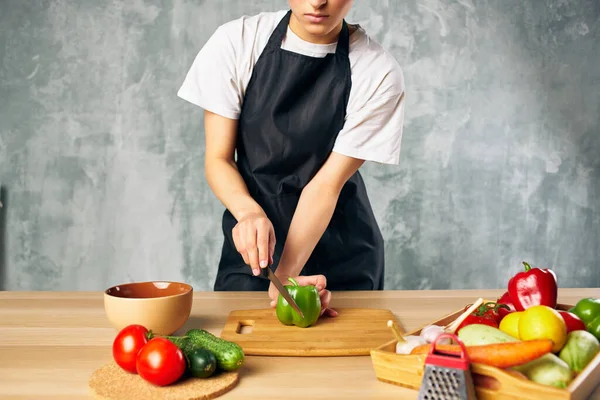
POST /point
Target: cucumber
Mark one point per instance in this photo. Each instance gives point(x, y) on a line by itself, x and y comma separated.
point(202, 363)
point(229, 355)
point(479, 334)
point(183, 343)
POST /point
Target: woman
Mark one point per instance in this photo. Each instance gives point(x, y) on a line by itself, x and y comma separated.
point(304, 99)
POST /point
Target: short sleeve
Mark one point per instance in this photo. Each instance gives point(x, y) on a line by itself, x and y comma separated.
point(373, 132)
point(212, 82)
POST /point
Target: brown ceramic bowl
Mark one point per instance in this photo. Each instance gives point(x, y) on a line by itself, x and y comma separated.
point(160, 306)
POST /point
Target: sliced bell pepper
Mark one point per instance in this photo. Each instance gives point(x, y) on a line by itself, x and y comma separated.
point(307, 298)
point(588, 310)
point(533, 287)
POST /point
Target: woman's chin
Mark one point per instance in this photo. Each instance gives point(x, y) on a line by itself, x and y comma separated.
point(320, 33)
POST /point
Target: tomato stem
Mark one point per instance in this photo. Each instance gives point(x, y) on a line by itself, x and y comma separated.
point(490, 305)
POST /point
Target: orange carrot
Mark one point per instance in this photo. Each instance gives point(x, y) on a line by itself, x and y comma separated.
point(501, 355)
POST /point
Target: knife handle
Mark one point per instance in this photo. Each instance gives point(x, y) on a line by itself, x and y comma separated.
point(264, 273)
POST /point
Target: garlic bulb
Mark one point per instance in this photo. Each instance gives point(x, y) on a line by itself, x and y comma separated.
point(410, 343)
point(431, 333)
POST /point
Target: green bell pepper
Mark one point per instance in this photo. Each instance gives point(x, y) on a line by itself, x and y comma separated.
point(594, 327)
point(588, 310)
point(308, 300)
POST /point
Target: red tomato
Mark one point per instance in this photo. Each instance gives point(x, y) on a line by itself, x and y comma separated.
point(490, 313)
point(127, 345)
point(160, 362)
point(573, 322)
point(494, 311)
point(477, 319)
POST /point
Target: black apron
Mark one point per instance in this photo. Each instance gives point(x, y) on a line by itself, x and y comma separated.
point(293, 110)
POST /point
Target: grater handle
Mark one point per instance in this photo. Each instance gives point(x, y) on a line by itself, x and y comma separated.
point(464, 354)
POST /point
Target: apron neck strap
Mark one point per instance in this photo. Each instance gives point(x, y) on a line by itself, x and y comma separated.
point(343, 44)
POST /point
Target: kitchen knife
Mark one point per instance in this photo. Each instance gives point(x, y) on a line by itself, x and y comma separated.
point(267, 272)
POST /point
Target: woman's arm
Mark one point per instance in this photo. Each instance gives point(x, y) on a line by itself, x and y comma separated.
point(253, 235)
point(314, 211)
point(220, 168)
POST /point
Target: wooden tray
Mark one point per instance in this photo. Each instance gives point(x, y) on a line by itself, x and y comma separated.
point(353, 332)
point(491, 383)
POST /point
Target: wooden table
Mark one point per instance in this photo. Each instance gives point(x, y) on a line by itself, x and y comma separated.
point(50, 343)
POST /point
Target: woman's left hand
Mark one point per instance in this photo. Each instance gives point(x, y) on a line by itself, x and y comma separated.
point(318, 281)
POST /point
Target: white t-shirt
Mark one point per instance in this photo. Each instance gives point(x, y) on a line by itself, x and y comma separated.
point(220, 73)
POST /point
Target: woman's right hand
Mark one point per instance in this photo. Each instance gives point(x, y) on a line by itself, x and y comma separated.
point(254, 239)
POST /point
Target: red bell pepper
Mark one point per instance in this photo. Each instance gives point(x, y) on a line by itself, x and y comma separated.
point(533, 287)
point(573, 322)
point(507, 301)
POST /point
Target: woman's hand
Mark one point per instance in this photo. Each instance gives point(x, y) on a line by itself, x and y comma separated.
point(319, 281)
point(254, 239)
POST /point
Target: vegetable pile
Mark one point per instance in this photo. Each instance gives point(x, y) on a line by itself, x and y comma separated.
point(164, 360)
point(523, 332)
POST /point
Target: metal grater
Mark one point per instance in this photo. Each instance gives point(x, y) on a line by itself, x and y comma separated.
point(447, 377)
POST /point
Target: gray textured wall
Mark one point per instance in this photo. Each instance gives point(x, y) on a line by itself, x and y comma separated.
point(102, 165)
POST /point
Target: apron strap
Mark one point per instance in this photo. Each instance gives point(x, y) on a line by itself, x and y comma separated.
point(343, 46)
point(279, 32)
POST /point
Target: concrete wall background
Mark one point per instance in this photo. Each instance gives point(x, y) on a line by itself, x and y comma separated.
point(101, 165)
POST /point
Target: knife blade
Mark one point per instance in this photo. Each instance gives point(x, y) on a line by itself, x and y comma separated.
point(286, 295)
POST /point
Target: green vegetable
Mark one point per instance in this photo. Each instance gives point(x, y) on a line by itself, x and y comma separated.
point(229, 355)
point(183, 343)
point(307, 298)
point(581, 347)
point(201, 363)
point(594, 328)
point(547, 370)
point(480, 334)
point(588, 310)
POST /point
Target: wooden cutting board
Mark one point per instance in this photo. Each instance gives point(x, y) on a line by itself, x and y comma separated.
point(354, 332)
point(111, 382)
